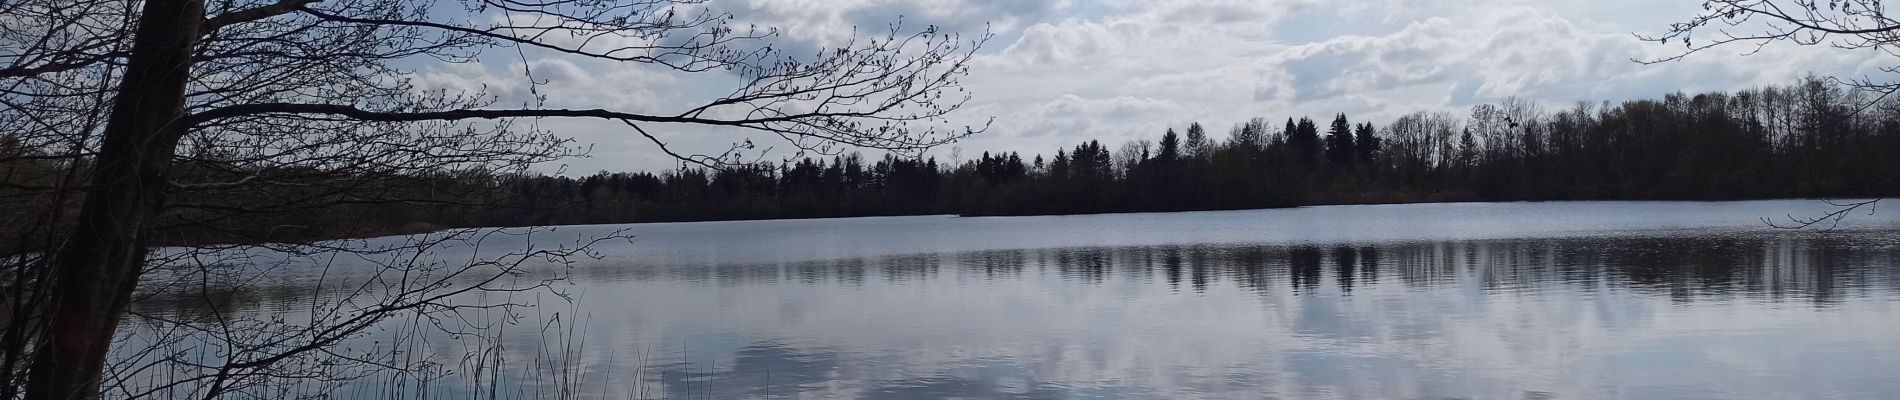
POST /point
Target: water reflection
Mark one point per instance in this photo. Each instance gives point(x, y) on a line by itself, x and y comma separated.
point(1735, 315)
point(1778, 267)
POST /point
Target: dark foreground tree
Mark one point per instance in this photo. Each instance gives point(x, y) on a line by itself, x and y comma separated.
point(145, 117)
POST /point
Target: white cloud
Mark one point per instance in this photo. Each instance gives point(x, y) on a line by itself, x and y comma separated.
point(1062, 72)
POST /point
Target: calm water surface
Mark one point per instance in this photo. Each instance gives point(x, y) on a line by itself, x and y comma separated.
point(1585, 300)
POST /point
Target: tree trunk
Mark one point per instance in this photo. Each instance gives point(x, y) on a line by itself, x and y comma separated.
point(99, 265)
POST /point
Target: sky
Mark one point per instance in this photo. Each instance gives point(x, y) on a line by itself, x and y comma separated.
point(1059, 73)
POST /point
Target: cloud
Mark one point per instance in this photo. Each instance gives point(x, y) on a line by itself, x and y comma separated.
point(1066, 71)
point(818, 23)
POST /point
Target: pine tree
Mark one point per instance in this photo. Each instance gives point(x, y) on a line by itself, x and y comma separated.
point(1170, 146)
point(1251, 135)
point(1304, 139)
point(1339, 147)
point(1467, 150)
point(1197, 144)
point(1366, 144)
point(1291, 129)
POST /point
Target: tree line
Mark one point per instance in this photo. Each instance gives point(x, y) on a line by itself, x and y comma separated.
point(1814, 138)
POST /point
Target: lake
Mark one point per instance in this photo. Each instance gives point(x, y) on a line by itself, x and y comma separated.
point(1563, 300)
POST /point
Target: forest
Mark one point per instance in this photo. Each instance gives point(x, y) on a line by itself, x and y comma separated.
point(1813, 138)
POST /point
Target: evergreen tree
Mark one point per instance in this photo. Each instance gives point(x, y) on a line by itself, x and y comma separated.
point(1288, 132)
point(1304, 140)
point(1366, 144)
point(1467, 150)
point(1059, 168)
point(1251, 135)
point(1197, 145)
point(1170, 146)
point(1339, 146)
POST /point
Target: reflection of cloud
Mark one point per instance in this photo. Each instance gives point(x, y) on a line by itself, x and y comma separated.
point(757, 370)
point(1505, 318)
point(795, 308)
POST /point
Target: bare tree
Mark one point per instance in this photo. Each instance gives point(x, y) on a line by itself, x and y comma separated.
point(1753, 25)
point(152, 115)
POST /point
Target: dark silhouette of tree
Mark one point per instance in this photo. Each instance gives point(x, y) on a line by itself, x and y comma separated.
point(1700, 147)
point(1752, 25)
point(1289, 131)
point(1742, 145)
point(1339, 146)
point(1170, 147)
point(1366, 144)
point(193, 121)
point(1468, 151)
point(1198, 145)
point(1251, 135)
point(1305, 141)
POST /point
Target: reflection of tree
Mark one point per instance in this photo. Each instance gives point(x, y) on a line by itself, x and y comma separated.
point(1089, 265)
point(1305, 265)
point(1814, 267)
point(1369, 263)
point(1172, 263)
point(1251, 266)
point(1199, 276)
point(996, 264)
point(910, 267)
point(1423, 265)
point(1344, 261)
